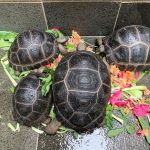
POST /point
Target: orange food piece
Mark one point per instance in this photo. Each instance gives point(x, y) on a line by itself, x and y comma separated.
point(126, 110)
point(147, 92)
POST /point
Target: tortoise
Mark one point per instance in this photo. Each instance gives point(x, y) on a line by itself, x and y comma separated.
point(29, 106)
point(32, 49)
point(129, 48)
point(81, 88)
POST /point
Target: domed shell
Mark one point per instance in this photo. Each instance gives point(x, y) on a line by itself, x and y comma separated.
point(32, 49)
point(29, 106)
point(81, 89)
point(129, 48)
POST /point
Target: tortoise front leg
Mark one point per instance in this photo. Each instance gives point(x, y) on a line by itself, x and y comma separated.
point(52, 127)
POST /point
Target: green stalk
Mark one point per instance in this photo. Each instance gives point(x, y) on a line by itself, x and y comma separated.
point(135, 88)
point(9, 76)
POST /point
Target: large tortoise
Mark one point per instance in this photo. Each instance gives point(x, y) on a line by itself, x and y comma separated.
point(129, 48)
point(32, 49)
point(29, 106)
point(81, 88)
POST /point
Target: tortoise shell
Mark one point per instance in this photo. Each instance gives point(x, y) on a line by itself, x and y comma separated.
point(29, 106)
point(81, 87)
point(129, 48)
point(32, 49)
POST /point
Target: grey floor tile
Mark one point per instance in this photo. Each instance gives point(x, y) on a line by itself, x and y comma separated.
point(26, 139)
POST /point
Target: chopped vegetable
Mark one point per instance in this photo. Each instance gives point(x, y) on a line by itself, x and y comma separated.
point(13, 128)
point(37, 130)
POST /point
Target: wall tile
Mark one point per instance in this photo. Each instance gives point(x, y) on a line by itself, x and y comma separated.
point(134, 13)
point(6, 1)
point(81, 0)
point(128, 15)
point(21, 16)
point(144, 9)
point(92, 18)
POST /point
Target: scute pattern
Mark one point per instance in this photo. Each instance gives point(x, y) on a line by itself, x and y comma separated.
point(83, 80)
point(138, 53)
point(29, 107)
point(128, 48)
point(83, 83)
point(33, 49)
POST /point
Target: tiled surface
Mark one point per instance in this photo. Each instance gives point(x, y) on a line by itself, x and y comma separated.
point(137, 13)
point(87, 18)
point(129, 14)
point(26, 139)
point(21, 16)
point(144, 10)
point(20, 1)
point(81, 0)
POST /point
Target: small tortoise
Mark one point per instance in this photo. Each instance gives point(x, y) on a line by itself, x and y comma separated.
point(33, 49)
point(29, 106)
point(129, 48)
point(81, 88)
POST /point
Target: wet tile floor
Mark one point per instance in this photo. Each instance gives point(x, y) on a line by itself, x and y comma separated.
point(27, 139)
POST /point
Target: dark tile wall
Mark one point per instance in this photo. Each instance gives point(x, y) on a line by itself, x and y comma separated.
point(134, 13)
point(21, 16)
point(88, 17)
point(93, 18)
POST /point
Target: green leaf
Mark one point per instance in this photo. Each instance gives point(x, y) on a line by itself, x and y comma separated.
point(55, 33)
point(108, 121)
point(63, 130)
point(52, 115)
point(47, 81)
point(144, 124)
point(130, 129)
point(6, 35)
point(115, 132)
point(4, 43)
point(135, 93)
point(0, 117)
point(6, 39)
point(24, 74)
point(70, 47)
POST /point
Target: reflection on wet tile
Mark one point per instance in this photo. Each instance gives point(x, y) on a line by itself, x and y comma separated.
point(21, 16)
point(92, 18)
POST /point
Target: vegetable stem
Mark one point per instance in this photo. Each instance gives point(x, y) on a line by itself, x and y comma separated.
point(117, 118)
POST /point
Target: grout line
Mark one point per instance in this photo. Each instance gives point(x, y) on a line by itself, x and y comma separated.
point(37, 142)
point(77, 1)
point(43, 9)
point(146, 1)
point(20, 2)
point(117, 17)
